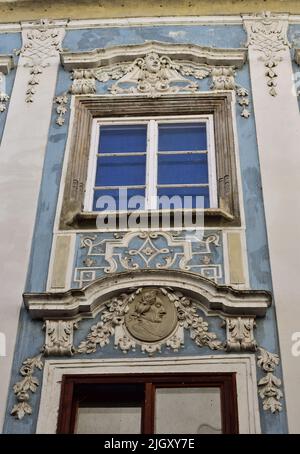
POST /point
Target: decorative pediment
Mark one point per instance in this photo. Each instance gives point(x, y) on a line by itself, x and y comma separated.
point(155, 68)
point(111, 56)
point(212, 298)
point(149, 311)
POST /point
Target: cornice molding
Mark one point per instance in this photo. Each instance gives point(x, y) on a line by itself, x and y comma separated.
point(77, 24)
point(46, 23)
point(214, 299)
point(117, 54)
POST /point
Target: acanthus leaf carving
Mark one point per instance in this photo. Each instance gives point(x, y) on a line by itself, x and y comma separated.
point(27, 385)
point(240, 335)
point(267, 361)
point(84, 82)
point(61, 108)
point(269, 385)
point(59, 337)
point(223, 78)
point(267, 33)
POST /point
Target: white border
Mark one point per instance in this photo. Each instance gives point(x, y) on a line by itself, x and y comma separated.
point(242, 365)
point(77, 24)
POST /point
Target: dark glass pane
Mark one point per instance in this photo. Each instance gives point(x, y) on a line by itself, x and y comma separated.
point(182, 137)
point(122, 139)
point(115, 200)
point(180, 202)
point(120, 170)
point(182, 169)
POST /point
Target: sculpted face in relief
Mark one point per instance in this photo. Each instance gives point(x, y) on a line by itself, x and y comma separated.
point(152, 62)
point(151, 316)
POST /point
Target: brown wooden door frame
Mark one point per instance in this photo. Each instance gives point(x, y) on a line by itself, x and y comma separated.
point(71, 395)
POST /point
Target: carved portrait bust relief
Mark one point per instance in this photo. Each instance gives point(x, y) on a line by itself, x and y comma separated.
point(152, 62)
point(151, 316)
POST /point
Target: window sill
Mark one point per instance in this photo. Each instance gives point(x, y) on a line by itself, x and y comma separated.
point(213, 217)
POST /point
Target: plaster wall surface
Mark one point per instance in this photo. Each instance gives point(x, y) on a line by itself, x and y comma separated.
point(278, 134)
point(30, 335)
point(21, 162)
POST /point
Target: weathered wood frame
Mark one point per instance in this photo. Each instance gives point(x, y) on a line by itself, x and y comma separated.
point(72, 394)
point(89, 107)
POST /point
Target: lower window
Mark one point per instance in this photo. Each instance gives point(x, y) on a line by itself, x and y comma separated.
point(149, 404)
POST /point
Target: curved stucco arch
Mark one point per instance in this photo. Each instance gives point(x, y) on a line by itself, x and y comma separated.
point(87, 302)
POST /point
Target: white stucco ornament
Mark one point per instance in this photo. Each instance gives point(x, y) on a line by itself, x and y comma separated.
point(149, 318)
point(154, 69)
point(41, 43)
point(267, 34)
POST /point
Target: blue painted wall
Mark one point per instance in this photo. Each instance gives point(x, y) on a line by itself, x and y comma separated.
point(30, 337)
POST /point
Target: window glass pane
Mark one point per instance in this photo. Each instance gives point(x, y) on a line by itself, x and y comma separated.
point(200, 411)
point(118, 200)
point(182, 169)
point(123, 138)
point(178, 195)
point(182, 137)
point(117, 420)
point(120, 170)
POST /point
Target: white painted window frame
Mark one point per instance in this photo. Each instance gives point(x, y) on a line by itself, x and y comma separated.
point(151, 155)
point(243, 365)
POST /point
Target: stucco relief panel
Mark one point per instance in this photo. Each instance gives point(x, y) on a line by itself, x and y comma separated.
point(100, 254)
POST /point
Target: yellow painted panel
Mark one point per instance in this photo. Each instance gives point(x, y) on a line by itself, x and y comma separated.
point(60, 263)
point(236, 266)
point(13, 11)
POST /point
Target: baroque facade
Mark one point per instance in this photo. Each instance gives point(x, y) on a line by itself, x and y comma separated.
point(216, 308)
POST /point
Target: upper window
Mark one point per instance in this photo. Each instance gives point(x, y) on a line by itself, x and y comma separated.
point(164, 154)
point(152, 163)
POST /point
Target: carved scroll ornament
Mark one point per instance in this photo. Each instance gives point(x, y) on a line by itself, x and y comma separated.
point(156, 68)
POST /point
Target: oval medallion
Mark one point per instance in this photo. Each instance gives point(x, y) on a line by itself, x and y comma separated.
point(151, 316)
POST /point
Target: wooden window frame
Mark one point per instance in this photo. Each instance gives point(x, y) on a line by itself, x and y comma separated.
point(71, 394)
point(88, 108)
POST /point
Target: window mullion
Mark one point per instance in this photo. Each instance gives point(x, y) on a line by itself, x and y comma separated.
point(151, 179)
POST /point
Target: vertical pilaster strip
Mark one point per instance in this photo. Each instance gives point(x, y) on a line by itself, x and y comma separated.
point(235, 258)
point(21, 162)
point(278, 134)
point(61, 262)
